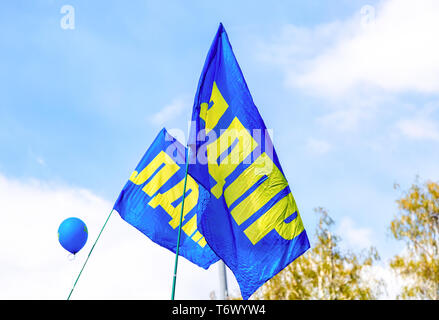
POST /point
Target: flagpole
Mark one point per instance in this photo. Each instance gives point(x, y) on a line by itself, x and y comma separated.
point(223, 292)
point(80, 272)
point(179, 225)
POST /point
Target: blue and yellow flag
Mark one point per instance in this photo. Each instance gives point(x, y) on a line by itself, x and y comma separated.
point(151, 201)
point(252, 222)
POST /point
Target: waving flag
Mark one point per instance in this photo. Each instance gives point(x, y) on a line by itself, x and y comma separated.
point(251, 222)
point(151, 201)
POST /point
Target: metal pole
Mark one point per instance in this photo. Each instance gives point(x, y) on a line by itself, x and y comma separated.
point(224, 292)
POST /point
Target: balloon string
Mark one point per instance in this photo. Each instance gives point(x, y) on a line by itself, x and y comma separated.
point(91, 250)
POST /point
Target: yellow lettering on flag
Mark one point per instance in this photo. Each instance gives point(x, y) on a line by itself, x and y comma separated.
point(162, 176)
point(243, 148)
point(233, 146)
point(166, 199)
point(214, 114)
point(274, 218)
point(272, 185)
point(190, 226)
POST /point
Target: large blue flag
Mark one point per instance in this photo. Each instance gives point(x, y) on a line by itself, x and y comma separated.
point(151, 201)
point(252, 222)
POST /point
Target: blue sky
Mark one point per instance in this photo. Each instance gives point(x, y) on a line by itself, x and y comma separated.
point(350, 89)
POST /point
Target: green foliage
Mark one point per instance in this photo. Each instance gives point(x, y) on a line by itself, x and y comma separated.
point(417, 224)
point(324, 272)
point(327, 272)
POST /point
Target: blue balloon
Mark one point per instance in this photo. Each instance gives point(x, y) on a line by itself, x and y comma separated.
point(72, 234)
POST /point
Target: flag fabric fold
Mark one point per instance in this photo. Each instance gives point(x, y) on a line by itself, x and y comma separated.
point(151, 201)
point(251, 221)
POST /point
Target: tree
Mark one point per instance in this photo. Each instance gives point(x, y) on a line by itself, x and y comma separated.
point(417, 224)
point(324, 272)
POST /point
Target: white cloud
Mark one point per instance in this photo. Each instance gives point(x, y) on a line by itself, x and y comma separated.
point(346, 119)
point(419, 129)
point(171, 111)
point(396, 53)
point(392, 283)
point(318, 147)
point(353, 236)
point(124, 264)
point(421, 124)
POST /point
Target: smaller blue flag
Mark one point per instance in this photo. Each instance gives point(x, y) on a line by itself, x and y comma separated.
point(151, 201)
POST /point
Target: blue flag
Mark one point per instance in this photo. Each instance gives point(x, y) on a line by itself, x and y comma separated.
point(252, 222)
point(151, 201)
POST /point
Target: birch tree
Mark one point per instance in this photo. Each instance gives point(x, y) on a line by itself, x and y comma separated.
point(417, 224)
point(324, 272)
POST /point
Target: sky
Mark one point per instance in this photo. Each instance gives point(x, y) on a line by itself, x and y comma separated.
point(350, 90)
